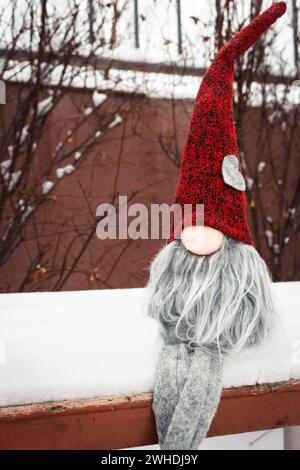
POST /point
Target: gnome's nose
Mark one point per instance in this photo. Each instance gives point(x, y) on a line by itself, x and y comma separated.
point(202, 240)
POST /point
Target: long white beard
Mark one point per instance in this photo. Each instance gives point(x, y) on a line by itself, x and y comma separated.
point(223, 300)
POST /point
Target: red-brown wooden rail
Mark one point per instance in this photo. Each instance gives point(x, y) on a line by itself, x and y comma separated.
point(119, 422)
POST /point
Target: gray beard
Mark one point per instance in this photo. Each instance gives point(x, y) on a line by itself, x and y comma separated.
point(221, 301)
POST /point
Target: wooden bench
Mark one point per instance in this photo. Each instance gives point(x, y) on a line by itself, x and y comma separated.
point(128, 421)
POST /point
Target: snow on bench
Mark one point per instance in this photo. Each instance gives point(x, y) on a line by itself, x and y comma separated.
point(71, 345)
point(88, 345)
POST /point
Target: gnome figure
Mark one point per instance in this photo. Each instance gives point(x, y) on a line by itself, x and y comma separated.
point(209, 288)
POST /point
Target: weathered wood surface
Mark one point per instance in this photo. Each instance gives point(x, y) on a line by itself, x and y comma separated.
point(119, 422)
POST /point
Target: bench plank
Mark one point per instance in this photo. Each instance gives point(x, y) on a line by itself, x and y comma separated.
point(119, 422)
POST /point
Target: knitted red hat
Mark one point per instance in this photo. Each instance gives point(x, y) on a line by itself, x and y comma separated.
point(210, 169)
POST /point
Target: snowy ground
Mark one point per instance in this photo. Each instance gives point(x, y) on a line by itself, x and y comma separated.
point(65, 345)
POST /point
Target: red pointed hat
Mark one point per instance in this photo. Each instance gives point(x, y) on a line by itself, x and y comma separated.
point(210, 172)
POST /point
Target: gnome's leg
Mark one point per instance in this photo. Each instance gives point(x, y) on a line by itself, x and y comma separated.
point(186, 395)
point(172, 373)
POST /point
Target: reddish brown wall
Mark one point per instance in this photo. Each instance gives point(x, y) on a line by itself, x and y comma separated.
point(145, 171)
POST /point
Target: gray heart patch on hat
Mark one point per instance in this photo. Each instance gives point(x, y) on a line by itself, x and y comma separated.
point(231, 173)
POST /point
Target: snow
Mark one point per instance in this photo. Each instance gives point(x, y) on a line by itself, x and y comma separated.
point(66, 170)
point(25, 209)
point(77, 156)
point(88, 111)
point(158, 35)
point(22, 204)
point(292, 212)
point(115, 122)
point(6, 230)
point(152, 84)
point(4, 166)
point(10, 150)
point(261, 166)
point(269, 236)
point(47, 186)
point(26, 213)
point(250, 182)
point(44, 106)
point(3, 358)
point(98, 98)
point(284, 126)
point(2, 92)
point(68, 345)
point(274, 116)
point(24, 134)
point(13, 179)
